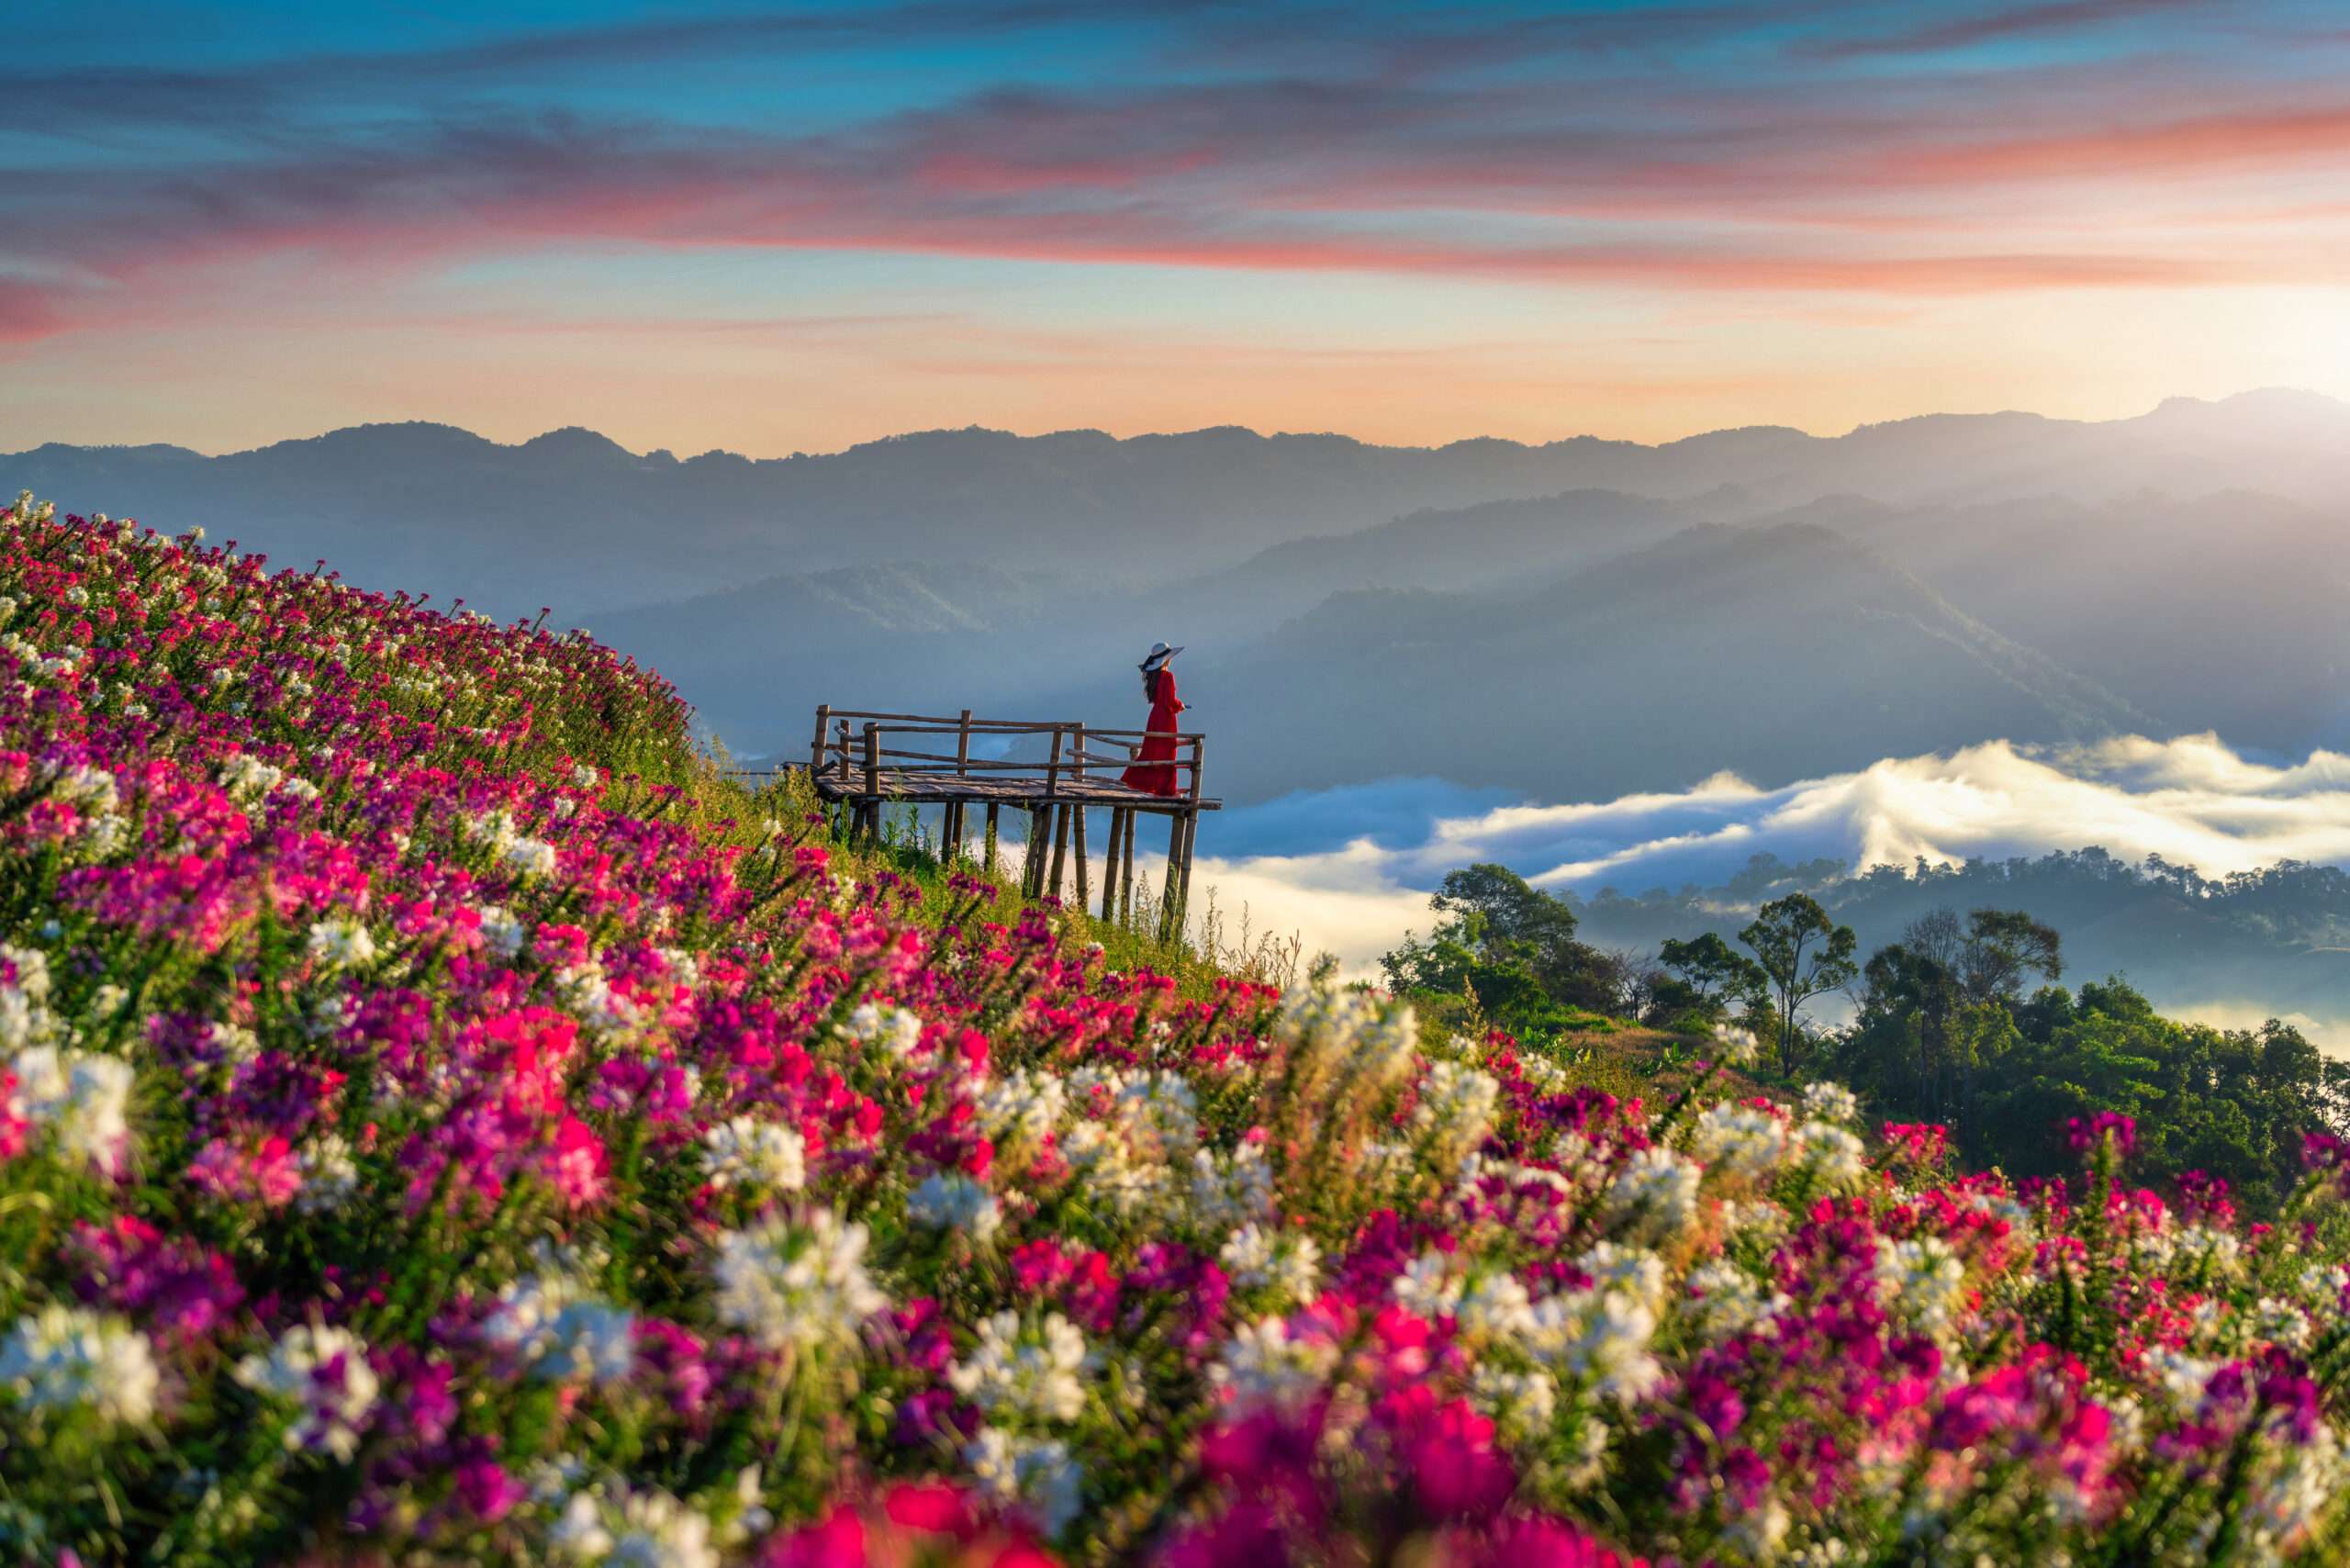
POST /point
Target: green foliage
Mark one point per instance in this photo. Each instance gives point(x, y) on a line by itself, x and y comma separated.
point(1801, 954)
point(1945, 1035)
point(1707, 977)
point(1509, 949)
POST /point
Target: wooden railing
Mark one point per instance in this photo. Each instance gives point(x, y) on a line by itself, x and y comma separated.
point(852, 749)
point(852, 760)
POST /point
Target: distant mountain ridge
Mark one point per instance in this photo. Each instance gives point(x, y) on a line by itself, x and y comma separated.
point(1572, 620)
point(573, 518)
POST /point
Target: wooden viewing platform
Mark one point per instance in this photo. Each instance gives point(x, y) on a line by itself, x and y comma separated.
point(1055, 778)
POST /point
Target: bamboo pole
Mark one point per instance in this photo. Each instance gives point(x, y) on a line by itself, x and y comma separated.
point(873, 782)
point(1166, 888)
point(1126, 886)
point(1109, 866)
point(1084, 889)
point(1040, 838)
point(1191, 820)
point(1060, 848)
point(1183, 887)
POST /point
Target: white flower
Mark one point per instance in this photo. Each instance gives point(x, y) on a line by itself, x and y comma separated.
point(1158, 1117)
point(800, 1284)
point(1231, 1187)
point(899, 1031)
point(1727, 1301)
point(1428, 1285)
point(1634, 1269)
point(1733, 1046)
point(1656, 1191)
point(764, 1157)
point(531, 856)
point(1602, 1337)
point(1522, 1403)
point(80, 1100)
point(1739, 1140)
point(1036, 1475)
point(951, 1201)
point(330, 1176)
point(1263, 1365)
point(69, 1357)
point(1350, 1035)
point(341, 943)
point(558, 1331)
point(2180, 1376)
point(622, 1527)
point(2203, 1247)
point(1288, 1265)
point(1923, 1281)
point(501, 932)
point(1830, 1102)
point(88, 789)
point(1829, 1156)
point(1019, 1110)
point(248, 778)
point(2293, 1495)
point(1455, 1108)
point(1029, 1371)
point(325, 1371)
point(2281, 1323)
point(1494, 1306)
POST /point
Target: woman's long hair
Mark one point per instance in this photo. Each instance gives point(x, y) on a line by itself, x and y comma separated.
point(1150, 683)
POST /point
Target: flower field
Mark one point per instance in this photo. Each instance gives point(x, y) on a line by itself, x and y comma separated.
point(439, 1120)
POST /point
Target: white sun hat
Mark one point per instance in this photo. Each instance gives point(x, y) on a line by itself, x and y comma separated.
point(1159, 653)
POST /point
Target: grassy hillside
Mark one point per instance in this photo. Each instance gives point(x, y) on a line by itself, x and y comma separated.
point(446, 1120)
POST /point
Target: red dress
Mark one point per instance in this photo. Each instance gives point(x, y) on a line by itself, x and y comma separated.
point(1154, 767)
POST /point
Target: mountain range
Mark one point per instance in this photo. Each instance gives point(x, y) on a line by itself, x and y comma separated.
point(1572, 619)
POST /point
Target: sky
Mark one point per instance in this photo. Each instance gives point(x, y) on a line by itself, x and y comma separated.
point(794, 227)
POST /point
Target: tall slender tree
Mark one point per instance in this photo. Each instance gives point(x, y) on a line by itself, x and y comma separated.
point(1803, 954)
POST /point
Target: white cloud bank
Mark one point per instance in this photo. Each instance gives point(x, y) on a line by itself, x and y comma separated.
point(2193, 800)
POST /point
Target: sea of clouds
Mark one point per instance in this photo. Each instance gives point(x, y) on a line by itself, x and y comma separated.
point(1349, 869)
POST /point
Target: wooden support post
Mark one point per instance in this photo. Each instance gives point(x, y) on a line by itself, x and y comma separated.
point(873, 782)
point(1060, 848)
point(1126, 877)
point(991, 855)
point(816, 748)
point(1166, 890)
point(1110, 866)
point(1183, 886)
point(1191, 820)
point(1040, 838)
point(1084, 889)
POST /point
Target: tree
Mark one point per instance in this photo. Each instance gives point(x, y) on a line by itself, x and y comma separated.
point(1802, 954)
point(2000, 948)
point(1716, 973)
point(1522, 922)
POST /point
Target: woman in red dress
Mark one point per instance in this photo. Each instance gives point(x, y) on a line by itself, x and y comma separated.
point(1154, 769)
